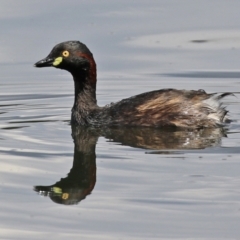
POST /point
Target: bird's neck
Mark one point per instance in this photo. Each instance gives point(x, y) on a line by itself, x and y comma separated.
point(85, 90)
point(85, 85)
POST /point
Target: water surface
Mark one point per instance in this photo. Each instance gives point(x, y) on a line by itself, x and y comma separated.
point(57, 182)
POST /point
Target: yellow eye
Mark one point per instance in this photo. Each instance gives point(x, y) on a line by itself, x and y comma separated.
point(65, 53)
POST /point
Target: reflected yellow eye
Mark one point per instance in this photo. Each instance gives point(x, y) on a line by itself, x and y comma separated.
point(65, 53)
point(65, 196)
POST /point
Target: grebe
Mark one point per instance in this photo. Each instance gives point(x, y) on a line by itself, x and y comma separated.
point(160, 108)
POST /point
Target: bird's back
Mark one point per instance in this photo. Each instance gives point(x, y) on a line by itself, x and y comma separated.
point(170, 108)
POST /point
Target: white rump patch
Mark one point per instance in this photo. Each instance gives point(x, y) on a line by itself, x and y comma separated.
point(216, 111)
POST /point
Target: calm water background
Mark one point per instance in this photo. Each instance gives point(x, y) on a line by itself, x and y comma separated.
point(138, 46)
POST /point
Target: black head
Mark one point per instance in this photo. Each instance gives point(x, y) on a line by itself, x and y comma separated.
point(71, 55)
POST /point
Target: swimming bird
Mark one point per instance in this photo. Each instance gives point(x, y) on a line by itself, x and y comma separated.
point(160, 108)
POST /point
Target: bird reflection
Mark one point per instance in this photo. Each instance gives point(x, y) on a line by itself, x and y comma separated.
point(81, 179)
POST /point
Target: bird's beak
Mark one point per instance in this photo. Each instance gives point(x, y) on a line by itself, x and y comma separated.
point(46, 62)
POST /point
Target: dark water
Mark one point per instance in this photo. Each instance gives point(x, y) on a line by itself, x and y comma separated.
point(58, 182)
